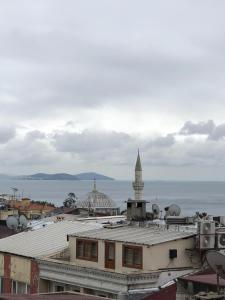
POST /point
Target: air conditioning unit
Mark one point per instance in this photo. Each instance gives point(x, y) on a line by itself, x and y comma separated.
point(206, 227)
point(220, 234)
point(206, 241)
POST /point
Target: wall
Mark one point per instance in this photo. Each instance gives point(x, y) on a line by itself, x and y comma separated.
point(20, 269)
point(13, 267)
point(154, 257)
point(157, 256)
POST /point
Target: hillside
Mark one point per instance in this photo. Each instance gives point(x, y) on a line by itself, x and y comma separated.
point(64, 176)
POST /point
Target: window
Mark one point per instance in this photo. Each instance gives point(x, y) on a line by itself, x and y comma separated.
point(132, 256)
point(20, 287)
point(110, 255)
point(1, 285)
point(59, 288)
point(87, 249)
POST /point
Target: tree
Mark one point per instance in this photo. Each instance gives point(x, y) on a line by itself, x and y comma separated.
point(70, 201)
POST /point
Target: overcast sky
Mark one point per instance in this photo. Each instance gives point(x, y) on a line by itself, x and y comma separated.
point(83, 84)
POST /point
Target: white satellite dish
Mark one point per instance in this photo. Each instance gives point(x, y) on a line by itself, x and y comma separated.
point(12, 222)
point(155, 209)
point(216, 261)
point(174, 210)
point(23, 222)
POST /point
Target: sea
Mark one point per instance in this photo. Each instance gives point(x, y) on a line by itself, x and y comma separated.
point(192, 197)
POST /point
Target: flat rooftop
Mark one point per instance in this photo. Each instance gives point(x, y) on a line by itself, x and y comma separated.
point(135, 235)
point(43, 241)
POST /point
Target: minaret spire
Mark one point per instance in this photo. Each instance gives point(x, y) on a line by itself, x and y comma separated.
point(94, 185)
point(138, 184)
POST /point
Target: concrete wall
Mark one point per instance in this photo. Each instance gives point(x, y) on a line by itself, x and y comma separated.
point(154, 257)
point(20, 269)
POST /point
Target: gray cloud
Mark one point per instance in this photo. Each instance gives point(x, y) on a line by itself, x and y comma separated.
point(198, 128)
point(78, 58)
point(74, 75)
point(218, 132)
point(6, 133)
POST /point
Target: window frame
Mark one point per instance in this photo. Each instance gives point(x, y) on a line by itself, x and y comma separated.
point(109, 262)
point(133, 248)
point(15, 287)
point(85, 243)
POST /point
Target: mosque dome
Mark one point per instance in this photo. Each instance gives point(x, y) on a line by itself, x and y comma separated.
point(96, 200)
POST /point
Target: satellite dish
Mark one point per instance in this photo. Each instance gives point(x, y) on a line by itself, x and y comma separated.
point(155, 209)
point(23, 222)
point(216, 261)
point(174, 210)
point(12, 222)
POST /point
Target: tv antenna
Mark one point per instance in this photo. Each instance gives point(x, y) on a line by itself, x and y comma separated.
point(15, 190)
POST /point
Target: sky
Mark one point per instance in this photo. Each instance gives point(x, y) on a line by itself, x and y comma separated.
point(84, 84)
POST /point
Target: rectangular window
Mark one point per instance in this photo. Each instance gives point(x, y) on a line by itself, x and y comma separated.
point(19, 287)
point(132, 256)
point(87, 249)
point(1, 285)
point(110, 255)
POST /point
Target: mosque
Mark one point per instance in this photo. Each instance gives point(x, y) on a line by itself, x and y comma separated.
point(99, 203)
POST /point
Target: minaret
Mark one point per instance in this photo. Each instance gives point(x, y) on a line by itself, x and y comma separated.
point(138, 184)
point(94, 185)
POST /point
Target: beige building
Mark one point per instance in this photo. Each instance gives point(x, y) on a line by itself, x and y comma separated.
point(121, 262)
point(19, 270)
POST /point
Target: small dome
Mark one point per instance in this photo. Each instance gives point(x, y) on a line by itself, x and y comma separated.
point(97, 200)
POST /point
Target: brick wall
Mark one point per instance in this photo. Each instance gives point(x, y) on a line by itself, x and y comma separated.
point(6, 278)
point(34, 277)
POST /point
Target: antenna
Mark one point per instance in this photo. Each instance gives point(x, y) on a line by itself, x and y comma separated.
point(155, 209)
point(12, 222)
point(174, 210)
point(216, 261)
point(14, 189)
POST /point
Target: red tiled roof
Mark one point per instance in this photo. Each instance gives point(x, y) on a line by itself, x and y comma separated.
point(205, 278)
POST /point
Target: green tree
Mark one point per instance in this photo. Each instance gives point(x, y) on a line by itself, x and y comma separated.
point(70, 201)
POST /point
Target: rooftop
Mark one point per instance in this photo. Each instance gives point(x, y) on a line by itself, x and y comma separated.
point(44, 241)
point(5, 231)
point(210, 279)
point(53, 296)
point(135, 235)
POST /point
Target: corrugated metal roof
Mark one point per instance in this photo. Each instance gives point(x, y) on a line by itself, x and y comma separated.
point(44, 241)
point(135, 235)
point(210, 279)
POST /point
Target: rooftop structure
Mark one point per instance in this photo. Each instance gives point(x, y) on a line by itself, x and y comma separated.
point(134, 235)
point(136, 209)
point(126, 262)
